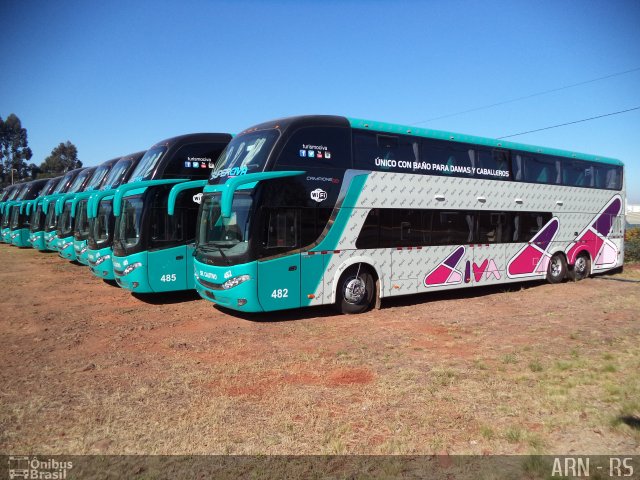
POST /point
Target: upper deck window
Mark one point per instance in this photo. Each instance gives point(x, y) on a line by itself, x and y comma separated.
point(317, 147)
point(147, 164)
point(246, 153)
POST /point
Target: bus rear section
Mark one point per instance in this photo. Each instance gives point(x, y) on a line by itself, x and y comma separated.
point(416, 211)
point(152, 250)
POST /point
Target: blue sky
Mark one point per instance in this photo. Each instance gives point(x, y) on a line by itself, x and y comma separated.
point(116, 77)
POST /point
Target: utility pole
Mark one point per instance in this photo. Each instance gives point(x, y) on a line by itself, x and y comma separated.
point(13, 170)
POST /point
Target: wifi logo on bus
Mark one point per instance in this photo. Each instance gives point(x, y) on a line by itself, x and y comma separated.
point(318, 195)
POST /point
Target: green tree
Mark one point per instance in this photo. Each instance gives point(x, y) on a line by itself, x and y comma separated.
point(62, 159)
point(14, 150)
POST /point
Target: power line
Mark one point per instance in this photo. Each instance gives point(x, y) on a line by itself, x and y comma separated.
point(545, 92)
point(570, 123)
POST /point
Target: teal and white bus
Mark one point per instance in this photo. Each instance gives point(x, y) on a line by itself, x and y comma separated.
point(101, 220)
point(318, 210)
point(46, 240)
point(152, 250)
point(67, 208)
point(20, 214)
point(9, 195)
point(117, 175)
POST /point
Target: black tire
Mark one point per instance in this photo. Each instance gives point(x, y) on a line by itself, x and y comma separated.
point(581, 268)
point(557, 269)
point(355, 293)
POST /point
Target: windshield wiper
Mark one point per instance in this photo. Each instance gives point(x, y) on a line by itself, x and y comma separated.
point(214, 246)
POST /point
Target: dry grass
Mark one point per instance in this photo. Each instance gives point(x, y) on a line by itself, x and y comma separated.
point(117, 375)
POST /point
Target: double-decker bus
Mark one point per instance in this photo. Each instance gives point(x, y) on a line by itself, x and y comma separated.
point(79, 210)
point(45, 239)
point(20, 217)
point(8, 196)
point(152, 250)
point(101, 220)
point(66, 208)
point(35, 233)
point(319, 210)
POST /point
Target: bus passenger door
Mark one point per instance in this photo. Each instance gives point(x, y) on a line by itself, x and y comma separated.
point(167, 269)
point(279, 272)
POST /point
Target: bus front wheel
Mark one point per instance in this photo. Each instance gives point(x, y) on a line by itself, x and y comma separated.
point(356, 290)
point(557, 270)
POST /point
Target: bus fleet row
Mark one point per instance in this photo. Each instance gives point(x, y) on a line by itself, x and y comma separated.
point(316, 210)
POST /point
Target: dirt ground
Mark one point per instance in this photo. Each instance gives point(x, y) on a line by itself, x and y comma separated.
point(530, 368)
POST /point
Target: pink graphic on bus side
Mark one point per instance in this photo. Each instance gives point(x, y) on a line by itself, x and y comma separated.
point(446, 273)
point(594, 239)
point(533, 259)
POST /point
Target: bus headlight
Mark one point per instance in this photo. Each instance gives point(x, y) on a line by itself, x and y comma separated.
point(131, 268)
point(65, 245)
point(235, 281)
point(102, 259)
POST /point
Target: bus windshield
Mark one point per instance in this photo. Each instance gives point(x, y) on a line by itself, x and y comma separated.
point(97, 177)
point(76, 186)
point(35, 222)
point(63, 183)
point(231, 234)
point(100, 227)
point(116, 175)
point(15, 218)
point(129, 224)
point(82, 222)
point(147, 164)
point(65, 225)
point(246, 153)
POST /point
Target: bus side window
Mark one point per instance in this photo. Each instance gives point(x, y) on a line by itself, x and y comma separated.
point(577, 174)
point(493, 227)
point(452, 227)
point(384, 152)
point(282, 228)
point(542, 169)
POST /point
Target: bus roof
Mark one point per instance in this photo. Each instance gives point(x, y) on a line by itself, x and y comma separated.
point(489, 142)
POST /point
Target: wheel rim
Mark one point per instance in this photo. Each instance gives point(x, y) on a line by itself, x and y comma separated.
point(354, 290)
point(556, 267)
point(581, 265)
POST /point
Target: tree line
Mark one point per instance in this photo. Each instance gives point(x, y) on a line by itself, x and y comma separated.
point(15, 155)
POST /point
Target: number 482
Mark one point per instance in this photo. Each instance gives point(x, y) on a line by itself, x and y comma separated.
point(280, 293)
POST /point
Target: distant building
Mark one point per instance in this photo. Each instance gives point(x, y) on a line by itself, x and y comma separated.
point(633, 215)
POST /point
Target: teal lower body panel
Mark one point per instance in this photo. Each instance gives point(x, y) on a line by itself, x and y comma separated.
point(36, 239)
point(50, 241)
point(101, 263)
point(5, 235)
point(155, 271)
point(20, 238)
point(131, 272)
point(243, 297)
point(81, 250)
point(65, 248)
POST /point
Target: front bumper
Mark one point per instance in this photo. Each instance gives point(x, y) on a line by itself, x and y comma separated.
point(243, 297)
point(101, 263)
point(137, 279)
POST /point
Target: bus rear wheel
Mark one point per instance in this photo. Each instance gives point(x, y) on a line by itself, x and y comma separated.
point(581, 268)
point(356, 290)
point(557, 270)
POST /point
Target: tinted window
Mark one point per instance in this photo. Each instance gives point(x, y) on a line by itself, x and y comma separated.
point(281, 228)
point(527, 224)
point(577, 174)
point(168, 230)
point(369, 234)
point(147, 164)
point(391, 153)
point(494, 227)
point(246, 153)
point(312, 224)
point(445, 158)
point(607, 176)
point(541, 169)
point(310, 147)
point(493, 164)
point(194, 160)
point(452, 227)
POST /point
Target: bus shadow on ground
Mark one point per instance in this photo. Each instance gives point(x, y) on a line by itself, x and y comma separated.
point(401, 301)
point(387, 303)
point(167, 298)
point(631, 420)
